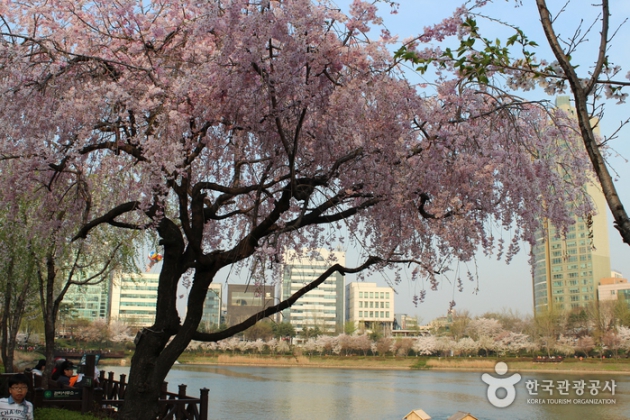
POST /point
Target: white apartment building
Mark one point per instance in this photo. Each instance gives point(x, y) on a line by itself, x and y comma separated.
point(370, 306)
point(133, 298)
point(322, 307)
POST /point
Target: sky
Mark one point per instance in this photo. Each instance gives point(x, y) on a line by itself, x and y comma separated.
point(503, 287)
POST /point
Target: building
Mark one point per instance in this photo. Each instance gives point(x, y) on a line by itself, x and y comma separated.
point(567, 269)
point(245, 300)
point(322, 307)
point(405, 322)
point(370, 307)
point(133, 298)
point(211, 318)
point(88, 301)
point(613, 288)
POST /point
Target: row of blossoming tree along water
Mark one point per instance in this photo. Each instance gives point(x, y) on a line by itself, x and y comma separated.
point(597, 330)
point(499, 343)
point(601, 330)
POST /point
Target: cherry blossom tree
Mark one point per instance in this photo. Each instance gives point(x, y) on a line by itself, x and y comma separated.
point(466, 346)
point(119, 332)
point(237, 130)
point(565, 345)
point(401, 347)
point(283, 347)
point(384, 345)
point(585, 345)
point(483, 327)
point(426, 345)
point(362, 343)
point(623, 334)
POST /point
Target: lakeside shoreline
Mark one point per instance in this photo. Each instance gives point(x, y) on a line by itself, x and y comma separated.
point(599, 367)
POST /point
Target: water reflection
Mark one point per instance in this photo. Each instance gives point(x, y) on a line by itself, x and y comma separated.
point(305, 393)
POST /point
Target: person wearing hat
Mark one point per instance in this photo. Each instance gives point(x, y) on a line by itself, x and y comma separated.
point(39, 367)
point(65, 379)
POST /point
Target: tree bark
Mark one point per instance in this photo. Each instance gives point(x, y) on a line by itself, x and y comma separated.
point(7, 356)
point(49, 313)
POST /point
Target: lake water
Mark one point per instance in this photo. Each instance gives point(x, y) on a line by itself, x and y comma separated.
point(266, 393)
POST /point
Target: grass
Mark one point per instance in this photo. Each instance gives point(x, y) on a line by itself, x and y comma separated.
point(59, 414)
point(420, 364)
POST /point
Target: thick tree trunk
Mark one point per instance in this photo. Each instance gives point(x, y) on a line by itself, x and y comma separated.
point(7, 356)
point(49, 351)
point(50, 308)
point(153, 358)
point(145, 383)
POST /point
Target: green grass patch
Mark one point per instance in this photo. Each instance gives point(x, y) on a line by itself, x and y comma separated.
point(59, 414)
point(420, 364)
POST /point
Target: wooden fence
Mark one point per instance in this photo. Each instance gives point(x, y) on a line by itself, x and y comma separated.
point(108, 395)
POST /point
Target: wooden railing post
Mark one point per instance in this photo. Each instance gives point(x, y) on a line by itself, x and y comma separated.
point(164, 390)
point(38, 399)
point(109, 384)
point(182, 391)
point(98, 399)
point(123, 386)
point(203, 404)
point(87, 399)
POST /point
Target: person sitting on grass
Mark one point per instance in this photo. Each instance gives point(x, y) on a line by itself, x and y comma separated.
point(16, 407)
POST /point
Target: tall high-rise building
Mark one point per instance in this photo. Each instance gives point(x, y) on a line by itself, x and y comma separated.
point(370, 307)
point(133, 298)
point(567, 269)
point(322, 307)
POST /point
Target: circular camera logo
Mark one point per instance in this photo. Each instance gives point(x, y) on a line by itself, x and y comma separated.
point(507, 383)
